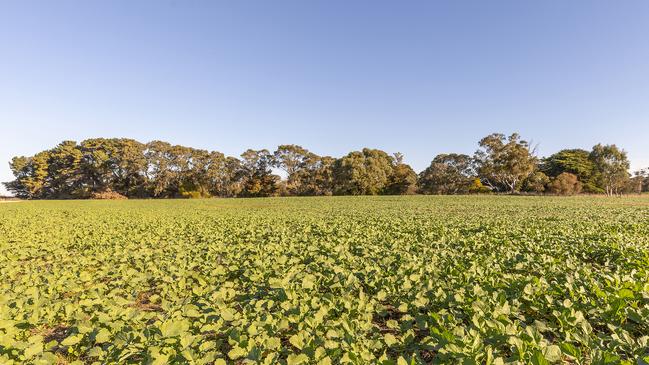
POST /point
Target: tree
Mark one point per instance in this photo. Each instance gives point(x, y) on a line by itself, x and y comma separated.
point(318, 177)
point(129, 168)
point(31, 175)
point(224, 175)
point(160, 171)
point(574, 161)
point(119, 166)
point(403, 179)
point(447, 174)
point(65, 181)
point(195, 179)
point(611, 167)
point(72, 170)
point(536, 183)
point(634, 185)
point(97, 165)
point(116, 164)
point(565, 184)
point(258, 179)
point(644, 174)
point(365, 172)
point(291, 158)
point(103, 166)
point(504, 163)
point(299, 164)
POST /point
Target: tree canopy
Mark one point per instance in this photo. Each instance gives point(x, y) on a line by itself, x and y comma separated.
point(503, 163)
point(157, 169)
point(447, 174)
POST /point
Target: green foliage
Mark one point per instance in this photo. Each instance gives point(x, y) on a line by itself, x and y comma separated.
point(160, 170)
point(603, 170)
point(536, 183)
point(611, 168)
point(342, 280)
point(307, 173)
point(639, 183)
point(477, 187)
point(447, 174)
point(565, 184)
point(503, 163)
point(193, 194)
point(402, 180)
point(107, 195)
point(258, 179)
point(365, 172)
point(573, 161)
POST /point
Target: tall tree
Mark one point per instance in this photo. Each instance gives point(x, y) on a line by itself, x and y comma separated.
point(573, 161)
point(611, 167)
point(365, 172)
point(224, 175)
point(447, 174)
point(65, 181)
point(643, 175)
point(318, 176)
point(258, 179)
point(403, 179)
point(117, 164)
point(298, 163)
point(195, 178)
point(129, 168)
point(635, 184)
point(504, 162)
point(160, 172)
point(291, 158)
point(31, 175)
point(158, 169)
point(536, 183)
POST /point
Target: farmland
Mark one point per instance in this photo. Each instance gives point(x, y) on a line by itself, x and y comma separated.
point(393, 280)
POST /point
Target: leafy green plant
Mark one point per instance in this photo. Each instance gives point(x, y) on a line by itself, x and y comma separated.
point(353, 280)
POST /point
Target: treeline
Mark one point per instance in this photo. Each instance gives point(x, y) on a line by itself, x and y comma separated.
point(124, 167)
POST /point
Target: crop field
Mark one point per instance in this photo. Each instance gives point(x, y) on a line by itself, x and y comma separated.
point(355, 280)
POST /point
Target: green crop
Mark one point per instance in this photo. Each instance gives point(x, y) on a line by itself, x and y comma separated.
point(356, 280)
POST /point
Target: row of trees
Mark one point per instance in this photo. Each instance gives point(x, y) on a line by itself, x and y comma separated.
point(161, 170)
point(509, 164)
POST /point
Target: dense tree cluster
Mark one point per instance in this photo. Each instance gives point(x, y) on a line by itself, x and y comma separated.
point(124, 167)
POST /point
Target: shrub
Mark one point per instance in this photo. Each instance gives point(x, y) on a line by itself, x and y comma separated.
point(191, 192)
point(107, 195)
point(477, 187)
point(565, 184)
point(536, 182)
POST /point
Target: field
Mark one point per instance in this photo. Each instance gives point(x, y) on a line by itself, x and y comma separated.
point(362, 280)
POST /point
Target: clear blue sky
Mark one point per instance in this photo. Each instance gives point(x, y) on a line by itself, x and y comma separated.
point(419, 77)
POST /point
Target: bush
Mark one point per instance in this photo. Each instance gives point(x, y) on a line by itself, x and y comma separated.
point(536, 182)
point(107, 195)
point(477, 187)
point(565, 184)
point(191, 192)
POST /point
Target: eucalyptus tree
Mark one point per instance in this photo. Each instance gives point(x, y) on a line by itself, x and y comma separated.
point(503, 163)
point(258, 179)
point(447, 174)
point(611, 167)
point(574, 161)
point(365, 172)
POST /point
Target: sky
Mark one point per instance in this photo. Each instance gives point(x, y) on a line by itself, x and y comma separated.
point(417, 77)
